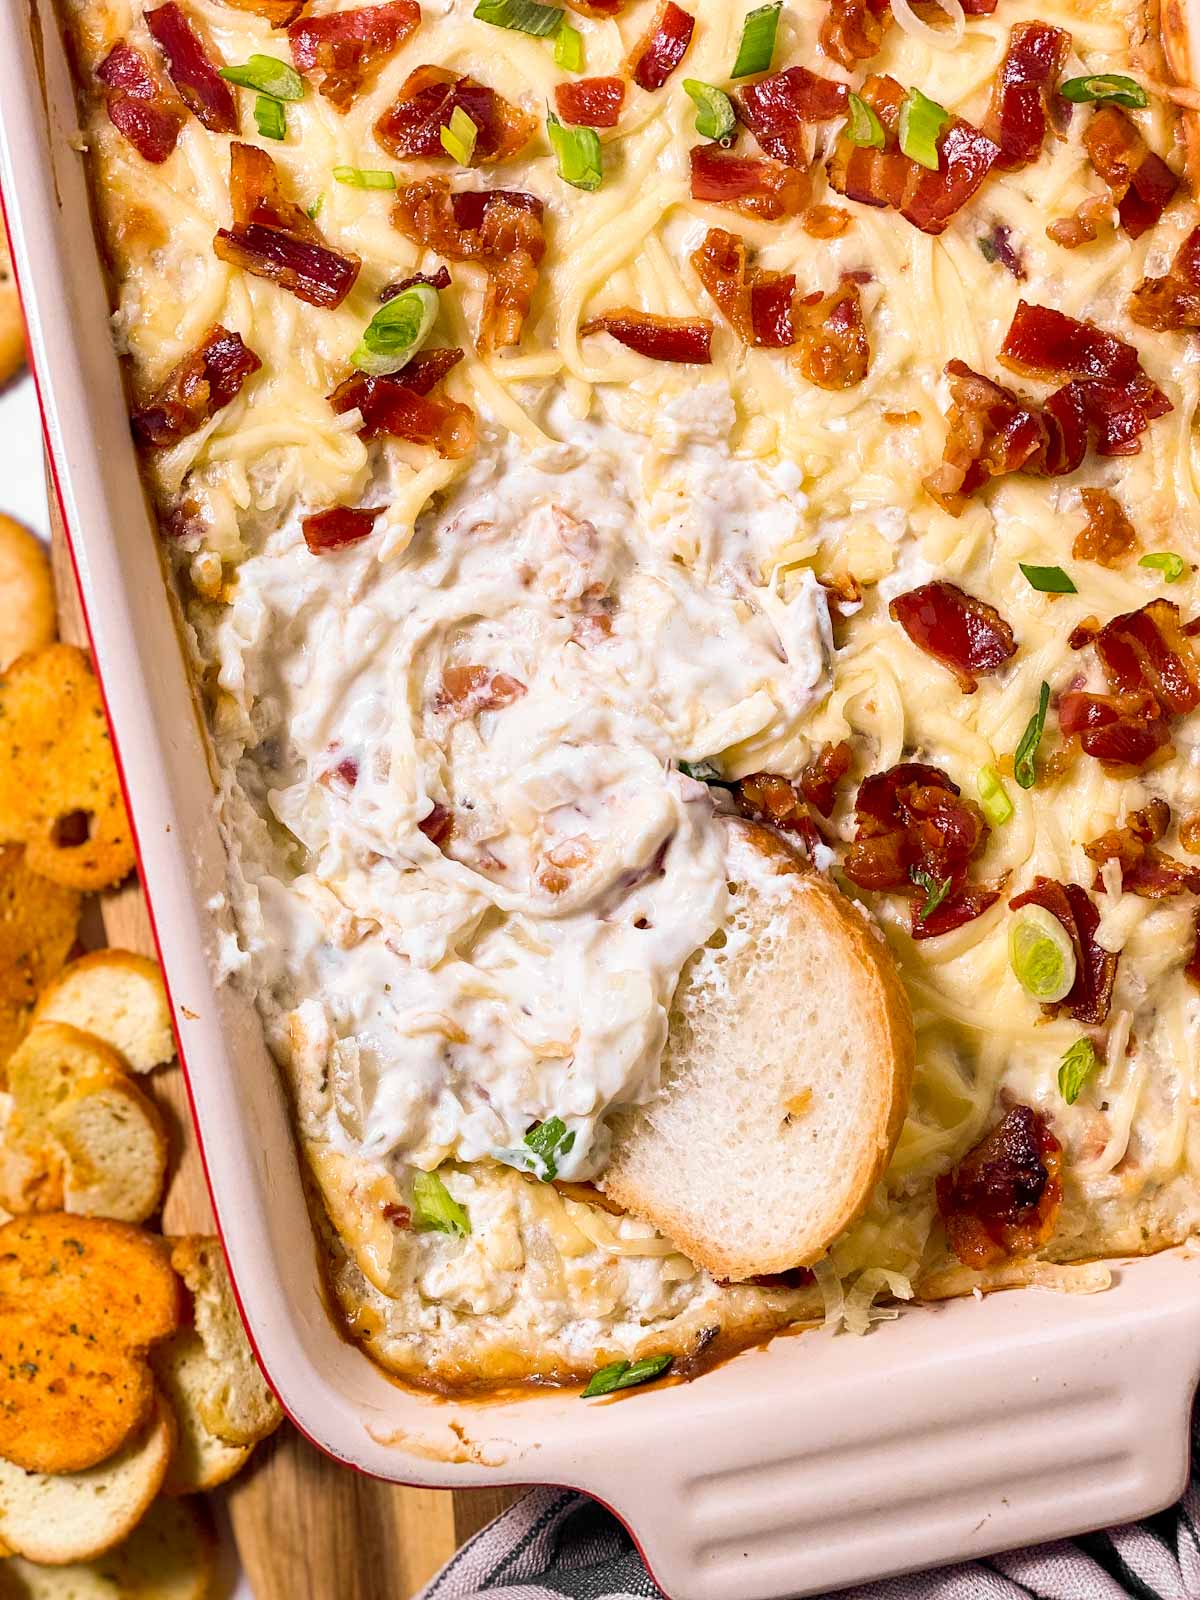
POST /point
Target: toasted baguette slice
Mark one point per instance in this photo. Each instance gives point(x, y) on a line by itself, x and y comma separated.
point(75, 1516)
point(115, 1149)
point(785, 1078)
point(189, 1378)
point(168, 1556)
point(119, 997)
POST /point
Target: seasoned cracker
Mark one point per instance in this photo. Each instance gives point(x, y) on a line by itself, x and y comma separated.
point(39, 923)
point(27, 617)
point(12, 324)
point(59, 794)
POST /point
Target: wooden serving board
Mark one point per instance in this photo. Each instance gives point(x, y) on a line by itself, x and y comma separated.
point(306, 1529)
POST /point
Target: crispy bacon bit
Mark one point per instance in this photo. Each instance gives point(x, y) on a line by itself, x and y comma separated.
point(831, 338)
point(662, 47)
point(344, 51)
point(438, 825)
point(963, 633)
point(336, 528)
point(888, 178)
point(276, 239)
point(998, 246)
point(991, 432)
point(757, 186)
point(825, 222)
point(1023, 92)
point(757, 304)
point(766, 797)
point(959, 908)
point(1171, 302)
point(399, 1216)
point(776, 109)
point(1147, 650)
point(1191, 970)
point(590, 102)
point(407, 408)
point(1141, 182)
point(197, 389)
point(428, 98)
point(1090, 218)
point(205, 93)
point(1145, 870)
point(820, 779)
point(138, 104)
point(1095, 969)
point(468, 691)
point(277, 12)
point(681, 339)
point(1109, 536)
point(1189, 833)
point(853, 30)
point(346, 773)
point(435, 280)
point(1002, 1198)
point(499, 228)
point(1123, 730)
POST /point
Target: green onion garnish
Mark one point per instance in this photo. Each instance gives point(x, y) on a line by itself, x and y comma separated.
point(578, 151)
point(864, 127)
point(1041, 954)
point(365, 177)
point(435, 1209)
point(1024, 762)
point(314, 210)
point(936, 890)
point(714, 109)
point(459, 136)
point(1048, 580)
point(703, 772)
point(624, 1375)
point(1167, 562)
point(568, 48)
point(520, 16)
point(758, 41)
point(921, 123)
point(1106, 86)
point(269, 76)
point(269, 117)
point(544, 1144)
point(1078, 1064)
point(397, 331)
point(993, 797)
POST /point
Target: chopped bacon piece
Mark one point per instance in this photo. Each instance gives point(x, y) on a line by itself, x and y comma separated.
point(1109, 536)
point(1003, 1197)
point(1172, 301)
point(681, 339)
point(1095, 968)
point(767, 797)
point(825, 222)
point(662, 47)
point(1145, 870)
point(1023, 92)
point(500, 228)
point(1122, 730)
point(405, 407)
point(438, 825)
point(820, 779)
point(757, 186)
point(197, 389)
point(1147, 650)
point(998, 246)
point(1191, 969)
point(776, 109)
point(1141, 182)
point(277, 12)
point(963, 633)
point(757, 304)
point(429, 96)
point(991, 432)
point(138, 104)
point(853, 30)
point(831, 338)
point(965, 157)
point(276, 239)
point(336, 528)
point(1089, 219)
point(344, 51)
point(957, 909)
point(468, 691)
point(590, 102)
point(201, 88)
point(1189, 833)
point(434, 280)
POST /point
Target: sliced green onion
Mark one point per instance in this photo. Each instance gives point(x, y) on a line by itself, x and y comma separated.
point(1041, 954)
point(314, 210)
point(758, 41)
point(269, 76)
point(269, 117)
point(435, 1209)
point(714, 109)
point(1025, 759)
point(544, 1144)
point(520, 16)
point(568, 48)
point(921, 124)
point(459, 136)
point(1167, 562)
point(1105, 86)
point(994, 797)
point(626, 1375)
point(936, 890)
point(703, 772)
point(397, 331)
point(864, 127)
point(1048, 580)
point(580, 162)
point(365, 177)
point(1078, 1064)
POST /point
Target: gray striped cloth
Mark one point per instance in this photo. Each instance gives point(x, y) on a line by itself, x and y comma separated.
point(558, 1545)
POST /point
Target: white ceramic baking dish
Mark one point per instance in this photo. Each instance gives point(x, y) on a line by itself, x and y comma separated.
point(813, 1463)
